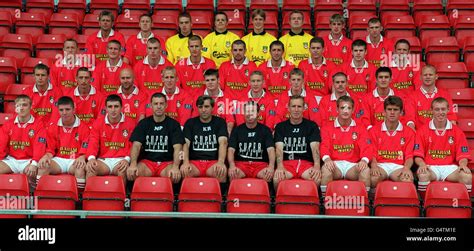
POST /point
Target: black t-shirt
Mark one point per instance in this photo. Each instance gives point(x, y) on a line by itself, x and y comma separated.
point(204, 137)
point(158, 138)
point(297, 138)
point(251, 144)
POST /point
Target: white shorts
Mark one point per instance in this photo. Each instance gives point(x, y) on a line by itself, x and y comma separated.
point(16, 165)
point(111, 162)
point(63, 163)
point(344, 166)
point(443, 171)
point(389, 167)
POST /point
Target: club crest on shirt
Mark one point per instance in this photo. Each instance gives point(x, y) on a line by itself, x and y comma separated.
point(136, 104)
point(410, 74)
point(51, 99)
point(354, 136)
point(93, 103)
point(125, 133)
point(265, 49)
point(305, 45)
point(285, 75)
point(325, 73)
point(451, 140)
point(178, 104)
point(344, 49)
point(227, 44)
point(31, 133)
point(383, 50)
point(76, 137)
point(367, 78)
point(402, 141)
point(246, 72)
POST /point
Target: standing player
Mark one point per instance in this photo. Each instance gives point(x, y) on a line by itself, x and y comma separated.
point(148, 71)
point(346, 148)
point(107, 73)
point(43, 95)
point(134, 101)
point(97, 43)
point(162, 141)
point(406, 70)
point(217, 45)
point(191, 70)
point(251, 152)
point(277, 70)
point(424, 96)
point(67, 144)
point(297, 146)
point(234, 74)
point(176, 45)
point(63, 73)
point(296, 41)
point(206, 143)
point(109, 147)
point(258, 40)
point(88, 101)
point(393, 143)
point(317, 70)
point(441, 150)
point(378, 47)
point(338, 47)
point(22, 142)
point(360, 73)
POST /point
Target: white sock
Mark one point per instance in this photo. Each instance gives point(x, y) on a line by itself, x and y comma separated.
point(422, 185)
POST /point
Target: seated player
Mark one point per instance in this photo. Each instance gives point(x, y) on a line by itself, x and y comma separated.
point(22, 141)
point(68, 140)
point(441, 150)
point(251, 152)
point(205, 149)
point(393, 143)
point(88, 101)
point(159, 140)
point(345, 147)
point(297, 146)
point(360, 73)
point(109, 147)
point(276, 70)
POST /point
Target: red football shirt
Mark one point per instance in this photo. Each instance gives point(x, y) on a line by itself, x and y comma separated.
point(392, 147)
point(234, 79)
point(441, 147)
point(266, 114)
point(405, 79)
point(97, 45)
point(375, 103)
point(422, 104)
point(148, 78)
point(180, 106)
point(276, 78)
point(190, 76)
point(107, 77)
point(89, 107)
point(360, 80)
point(328, 110)
point(133, 105)
point(378, 52)
point(136, 47)
point(43, 104)
point(318, 79)
point(338, 51)
point(68, 143)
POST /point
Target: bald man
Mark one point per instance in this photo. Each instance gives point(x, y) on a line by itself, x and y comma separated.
point(134, 100)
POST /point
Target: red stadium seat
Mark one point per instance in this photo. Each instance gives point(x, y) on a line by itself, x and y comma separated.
point(321, 21)
point(10, 5)
point(399, 26)
point(236, 20)
point(8, 70)
point(128, 25)
point(470, 142)
point(394, 8)
point(358, 26)
point(398, 199)
point(17, 46)
point(344, 197)
point(459, 5)
point(45, 7)
point(49, 46)
point(465, 112)
point(468, 50)
point(5, 117)
point(27, 77)
point(33, 24)
point(6, 22)
point(360, 5)
point(271, 22)
point(56, 192)
point(169, 5)
point(15, 186)
point(462, 97)
point(426, 7)
point(77, 7)
point(165, 20)
point(441, 50)
point(297, 196)
point(152, 194)
point(205, 6)
point(200, 195)
point(327, 5)
point(81, 42)
point(67, 24)
point(201, 21)
point(136, 5)
point(11, 92)
point(302, 5)
point(240, 5)
point(433, 26)
point(463, 26)
point(452, 75)
point(467, 126)
point(104, 193)
point(96, 6)
point(447, 200)
point(90, 24)
point(270, 5)
point(248, 196)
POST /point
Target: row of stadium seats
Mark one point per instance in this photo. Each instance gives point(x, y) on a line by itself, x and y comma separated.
point(155, 194)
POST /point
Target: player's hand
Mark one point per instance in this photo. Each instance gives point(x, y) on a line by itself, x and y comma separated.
point(423, 169)
point(219, 169)
point(121, 165)
point(45, 162)
point(375, 171)
point(464, 169)
point(79, 163)
point(268, 173)
point(175, 174)
point(31, 171)
point(406, 175)
point(233, 172)
point(91, 165)
point(362, 165)
point(280, 174)
point(132, 171)
point(330, 165)
point(315, 173)
point(185, 169)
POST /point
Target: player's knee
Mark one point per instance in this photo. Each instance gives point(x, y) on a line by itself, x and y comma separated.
point(365, 174)
point(423, 176)
point(465, 178)
point(325, 172)
point(80, 173)
point(374, 180)
point(43, 171)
